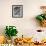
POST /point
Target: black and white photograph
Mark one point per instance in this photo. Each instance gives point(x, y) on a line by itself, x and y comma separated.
point(17, 11)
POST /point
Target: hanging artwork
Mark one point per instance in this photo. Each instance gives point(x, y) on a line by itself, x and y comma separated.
point(17, 11)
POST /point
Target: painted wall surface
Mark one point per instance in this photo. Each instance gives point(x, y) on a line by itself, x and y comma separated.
point(26, 25)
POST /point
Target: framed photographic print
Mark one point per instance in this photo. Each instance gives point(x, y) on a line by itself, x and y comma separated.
point(17, 11)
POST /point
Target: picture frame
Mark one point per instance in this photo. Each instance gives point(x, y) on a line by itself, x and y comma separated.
point(17, 11)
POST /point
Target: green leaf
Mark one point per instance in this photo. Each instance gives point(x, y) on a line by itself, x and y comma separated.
point(40, 18)
point(11, 31)
point(45, 16)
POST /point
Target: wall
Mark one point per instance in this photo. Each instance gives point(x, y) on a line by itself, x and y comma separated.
point(25, 25)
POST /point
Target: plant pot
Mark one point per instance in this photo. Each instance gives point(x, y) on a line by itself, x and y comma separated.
point(13, 38)
point(43, 23)
point(9, 41)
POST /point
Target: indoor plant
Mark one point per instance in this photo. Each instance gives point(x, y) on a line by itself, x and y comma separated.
point(42, 16)
point(10, 31)
point(42, 19)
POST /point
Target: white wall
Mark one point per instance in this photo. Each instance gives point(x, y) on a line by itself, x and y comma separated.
point(25, 25)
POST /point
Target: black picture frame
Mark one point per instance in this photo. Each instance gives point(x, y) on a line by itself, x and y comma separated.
point(17, 11)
